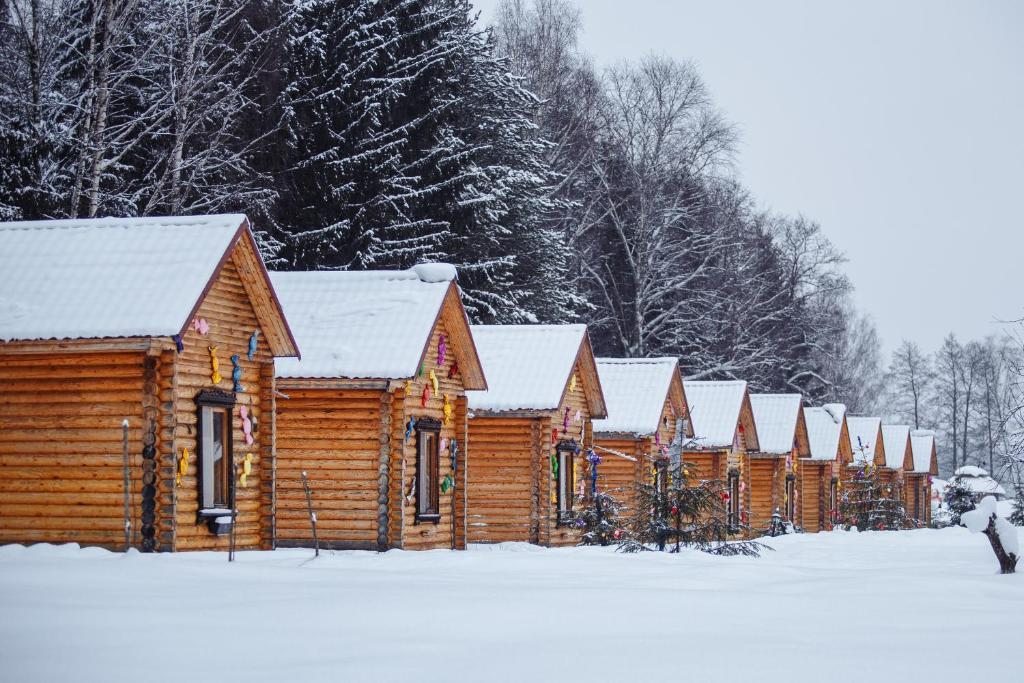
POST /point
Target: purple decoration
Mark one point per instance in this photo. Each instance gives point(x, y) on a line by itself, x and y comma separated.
point(565, 421)
point(178, 344)
point(442, 349)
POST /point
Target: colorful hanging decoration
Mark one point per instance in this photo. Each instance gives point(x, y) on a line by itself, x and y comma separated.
point(253, 341)
point(447, 484)
point(442, 349)
point(447, 410)
point(243, 478)
point(412, 492)
point(200, 325)
point(178, 343)
point(443, 445)
point(572, 382)
point(453, 450)
point(408, 387)
point(579, 416)
point(409, 427)
point(554, 464)
point(182, 466)
point(236, 374)
point(453, 370)
point(215, 366)
point(433, 380)
point(565, 421)
point(657, 438)
point(554, 435)
point(425, 396)
point(243, 412)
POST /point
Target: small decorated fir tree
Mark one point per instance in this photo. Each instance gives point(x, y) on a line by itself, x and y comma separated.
point(1017, 514)
point(866, 505)
point(958, 500)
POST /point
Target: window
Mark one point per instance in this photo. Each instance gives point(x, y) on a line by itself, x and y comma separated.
point(428, 484)
point(566, 453)
point(214, 450)
point(733, 517)
point(833, 499)
point(791, 498)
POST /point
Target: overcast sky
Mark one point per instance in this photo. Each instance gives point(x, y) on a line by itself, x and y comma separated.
point(899, 126)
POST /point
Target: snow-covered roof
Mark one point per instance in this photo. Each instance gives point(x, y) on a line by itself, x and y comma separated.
point(108, 277)
point(863, 437)
point(528, 366)
point(635, 390)
point(977, 480)
point(776, 418)
point(895, 438)
point(922, 445)
point(359, 324)
point(715, 408)
point(824, 427)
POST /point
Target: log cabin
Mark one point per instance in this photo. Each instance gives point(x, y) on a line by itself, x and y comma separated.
point(724, 435)
point(782, 435)
point(375, 412)
point(137, 383)
point(819, 478)
point(530, 433)
point(646, 411)
point(917, 491)
point(899, 460)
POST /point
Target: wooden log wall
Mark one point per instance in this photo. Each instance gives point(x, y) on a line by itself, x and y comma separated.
point(620, 477)
point(501, 479)
point(61, 463)
point(767, 491)
point(574, 401)
point(334, 436)
point(450, 531)
point(232, 320)
point(919, 508)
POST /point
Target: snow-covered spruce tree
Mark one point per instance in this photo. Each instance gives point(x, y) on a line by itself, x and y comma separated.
point(958, 499)
point(1001, 534)
point(597, 518)
point(673, 513)
point(1017, 515)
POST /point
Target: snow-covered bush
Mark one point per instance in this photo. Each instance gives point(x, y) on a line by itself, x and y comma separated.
point(1001, 534)
point(959, 500)
point(1017, 515)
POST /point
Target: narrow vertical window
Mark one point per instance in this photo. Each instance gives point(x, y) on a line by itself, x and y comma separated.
point(791, 498)
point(428, 484)
point(566, 489)
point(214, 445)
point(733, 517)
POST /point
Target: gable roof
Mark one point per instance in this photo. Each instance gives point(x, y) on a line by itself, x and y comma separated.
point(635, 390)
point(373, 324)
point(776, 417)
point(529, 367)
point(897, 447)
point(106, 278)
point(922, 443)
point(865, 439)
point(825, 429)
point(716, 410)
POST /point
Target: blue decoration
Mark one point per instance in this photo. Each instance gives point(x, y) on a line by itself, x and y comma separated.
point(593, 458)
point(453, 448)
point(236, 375)
point(178, 344)
point(411, 425)
point(252, 344)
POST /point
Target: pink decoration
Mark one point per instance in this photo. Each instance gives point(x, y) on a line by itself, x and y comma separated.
point(657, 438)
point(201, 326)
point(442, 349)
point(579, 416)
point(246, 425)
point(444, 443)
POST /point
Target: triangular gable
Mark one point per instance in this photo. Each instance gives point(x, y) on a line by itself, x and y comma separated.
point(803, 441)
point(586, 365)
point(749, 428)
point(456, 322)
point(244, 253)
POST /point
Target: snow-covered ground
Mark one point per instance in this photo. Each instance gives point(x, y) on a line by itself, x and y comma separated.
point(922, 605)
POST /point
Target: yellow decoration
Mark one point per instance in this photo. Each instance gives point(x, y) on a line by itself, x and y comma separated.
point(408, 387)
point(572, 382)
point(215, 364)
point(448, 410)
point(182, 465)
point(433, 380)
point(243, 478)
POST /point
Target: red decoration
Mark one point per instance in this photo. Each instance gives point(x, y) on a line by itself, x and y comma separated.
point(675, 510)
point(725, 496)
point(554, 436)
point(454, 369)
point(425, 396)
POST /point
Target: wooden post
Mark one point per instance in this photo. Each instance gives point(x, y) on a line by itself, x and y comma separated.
point(312, 515)
point(127, 486)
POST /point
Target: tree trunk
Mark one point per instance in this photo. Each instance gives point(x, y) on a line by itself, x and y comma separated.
point(1007, 561)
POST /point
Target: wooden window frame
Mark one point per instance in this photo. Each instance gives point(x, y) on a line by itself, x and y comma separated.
point(733, 512)
point(221, 401)
point(428, 509)
point(565, 482)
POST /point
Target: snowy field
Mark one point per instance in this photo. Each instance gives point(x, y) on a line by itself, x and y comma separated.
point(922, 605)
